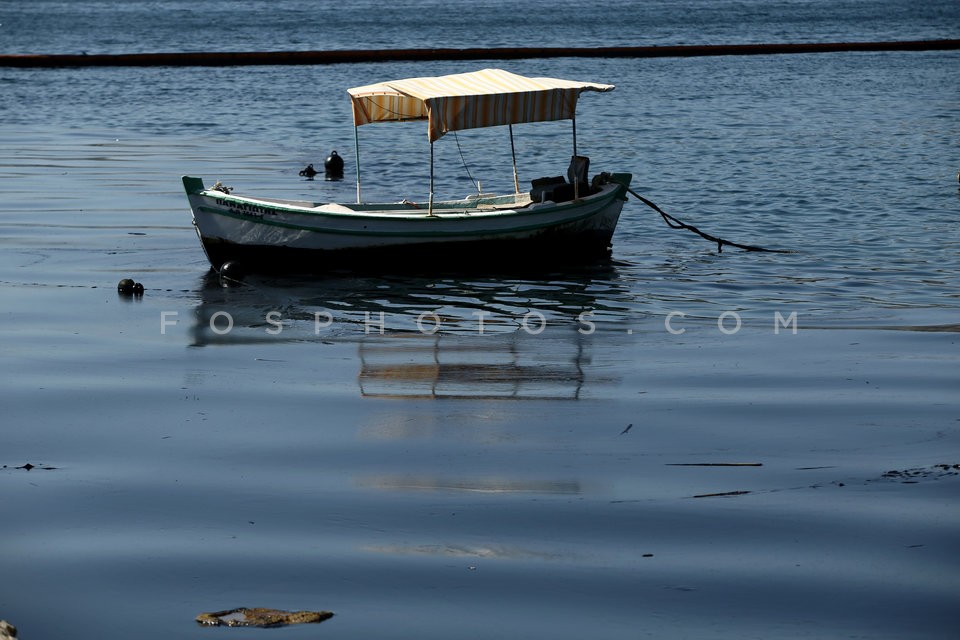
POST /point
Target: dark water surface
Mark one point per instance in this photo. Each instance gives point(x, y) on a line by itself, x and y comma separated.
point(329, 452)
point(91, 26)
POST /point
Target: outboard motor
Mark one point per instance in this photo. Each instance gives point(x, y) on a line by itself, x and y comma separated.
point(333, 166)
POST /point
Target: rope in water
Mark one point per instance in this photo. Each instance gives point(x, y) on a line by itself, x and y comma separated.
point(674, 223)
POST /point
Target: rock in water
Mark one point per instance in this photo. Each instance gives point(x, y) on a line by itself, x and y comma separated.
point(260, 617)
point(7, 631)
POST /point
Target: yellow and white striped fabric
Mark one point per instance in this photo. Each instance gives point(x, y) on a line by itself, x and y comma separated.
point(469, 100)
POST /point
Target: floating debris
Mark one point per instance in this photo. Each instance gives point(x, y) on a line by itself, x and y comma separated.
point(912, 476)
point(725, 493)
point(7, 631)
point(714, 464)
point(28, 467)
point(260, 617)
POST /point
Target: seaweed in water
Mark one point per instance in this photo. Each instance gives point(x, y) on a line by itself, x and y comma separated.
point(260, 617)
point(912, 476)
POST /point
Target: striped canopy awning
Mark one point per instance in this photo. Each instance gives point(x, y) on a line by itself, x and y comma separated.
point(469, 100)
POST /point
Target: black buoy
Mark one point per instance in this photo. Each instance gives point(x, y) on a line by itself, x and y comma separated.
point(308, 171)
point(333, 166)
point(232, 271)
point(128, 287)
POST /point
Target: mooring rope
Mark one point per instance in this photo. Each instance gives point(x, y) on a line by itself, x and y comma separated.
point(673, 223)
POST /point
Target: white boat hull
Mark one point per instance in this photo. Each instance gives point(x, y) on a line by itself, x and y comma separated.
point(269, 234)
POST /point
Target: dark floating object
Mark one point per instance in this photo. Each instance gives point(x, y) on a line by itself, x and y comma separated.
point(714, 464)
point(933, 472)
point(724, 493)
point(28, 467)
point(7, 631)
point(234, 58)
point(232, 270)
point(333, 166)
point(128, 287)
point(260, 617)
point(308, 171)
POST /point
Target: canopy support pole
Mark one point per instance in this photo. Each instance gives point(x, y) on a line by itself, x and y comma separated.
point(356, 143)
point(430, 206)
point(576, 183)
point(513, 152)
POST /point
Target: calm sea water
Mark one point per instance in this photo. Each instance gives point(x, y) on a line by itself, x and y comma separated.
point(324, 451)
point(58, 26)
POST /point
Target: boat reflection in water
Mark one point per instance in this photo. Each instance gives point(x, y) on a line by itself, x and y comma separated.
point(429, 338)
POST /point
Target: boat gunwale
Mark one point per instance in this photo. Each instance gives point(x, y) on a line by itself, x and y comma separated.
point(455, 209)
point(450, 232)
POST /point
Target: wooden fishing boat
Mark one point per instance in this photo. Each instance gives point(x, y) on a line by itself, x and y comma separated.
point(557, 220)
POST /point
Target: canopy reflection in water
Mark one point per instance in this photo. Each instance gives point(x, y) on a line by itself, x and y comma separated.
point(511, 366)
